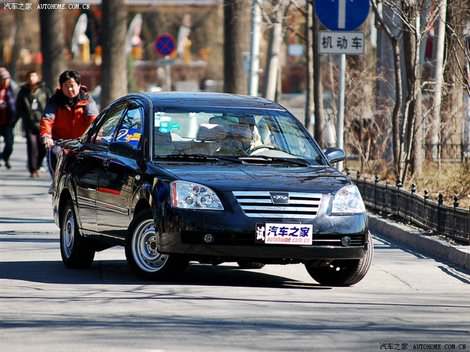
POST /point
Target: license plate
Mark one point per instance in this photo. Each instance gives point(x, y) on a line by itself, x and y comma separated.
point(272, 233)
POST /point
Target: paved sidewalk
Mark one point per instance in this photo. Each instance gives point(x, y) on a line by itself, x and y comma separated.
point(25, 205)
point(417, 239)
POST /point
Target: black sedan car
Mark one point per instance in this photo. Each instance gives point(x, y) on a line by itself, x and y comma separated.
point(180, 177)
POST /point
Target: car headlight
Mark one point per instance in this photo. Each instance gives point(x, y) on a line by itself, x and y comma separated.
point(348, 201)
point(188, 195)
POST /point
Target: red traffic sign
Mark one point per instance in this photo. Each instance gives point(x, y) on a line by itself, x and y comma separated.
point(165, 44)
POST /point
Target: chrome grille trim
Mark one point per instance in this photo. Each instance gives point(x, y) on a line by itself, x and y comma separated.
point(258, 204)
point(281, 208)
point(291, 201)
point(281, 216)
point(268, 194)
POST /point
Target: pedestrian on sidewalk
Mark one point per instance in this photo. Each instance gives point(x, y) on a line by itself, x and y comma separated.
point(30, 104)
point(7, 115)
point(68, 113)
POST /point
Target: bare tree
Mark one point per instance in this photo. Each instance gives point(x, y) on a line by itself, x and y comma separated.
point(276, 18)
point(19, 41)
point(454, 75)
point(407, 118)
point(236, 45)
point(7, 20)
point(114, 66)
point(439, 77)
point(309, 33)
point(317, 84)
point(396, 114)
point(52, 44)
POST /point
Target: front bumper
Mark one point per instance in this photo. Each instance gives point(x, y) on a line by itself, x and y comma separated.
point(233, 237)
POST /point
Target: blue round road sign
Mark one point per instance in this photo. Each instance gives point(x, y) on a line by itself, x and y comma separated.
point(342, 15)
point(165, 44)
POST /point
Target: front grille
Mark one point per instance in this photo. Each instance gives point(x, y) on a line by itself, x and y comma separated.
point(257, 204)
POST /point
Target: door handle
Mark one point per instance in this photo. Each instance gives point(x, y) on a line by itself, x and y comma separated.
point(106, 163)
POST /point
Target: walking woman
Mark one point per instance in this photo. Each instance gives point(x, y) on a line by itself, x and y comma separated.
point(30, 104)
point(8, 116)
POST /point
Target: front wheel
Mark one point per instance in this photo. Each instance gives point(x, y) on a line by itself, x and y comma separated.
point(76, 252)
point(342, 272)
point(142, 251)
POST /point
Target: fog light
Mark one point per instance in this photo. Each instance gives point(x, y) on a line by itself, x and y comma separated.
point(346, 241)
point(208, 238)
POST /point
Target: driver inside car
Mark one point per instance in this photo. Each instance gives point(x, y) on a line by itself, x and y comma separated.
point(241, 137)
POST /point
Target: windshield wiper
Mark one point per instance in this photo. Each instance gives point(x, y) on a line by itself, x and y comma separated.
point(271, 159)
point(198, 157)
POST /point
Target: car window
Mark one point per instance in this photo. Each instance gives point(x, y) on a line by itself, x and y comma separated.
point(105, 132)
point(292, 139)
point(235, 133)
point(131, 128)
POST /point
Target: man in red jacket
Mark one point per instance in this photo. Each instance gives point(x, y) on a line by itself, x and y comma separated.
point(67, 115)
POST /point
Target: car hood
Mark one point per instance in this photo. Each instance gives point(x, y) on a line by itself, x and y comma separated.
point(322, 179)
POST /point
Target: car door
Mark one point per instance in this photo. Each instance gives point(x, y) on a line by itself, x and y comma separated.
point(85, 170)
point(121, 173)
point(89, 167)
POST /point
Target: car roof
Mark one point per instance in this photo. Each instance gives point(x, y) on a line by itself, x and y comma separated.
point(213, 100)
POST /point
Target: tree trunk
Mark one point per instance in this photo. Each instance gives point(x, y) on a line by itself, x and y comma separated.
point(417, 157)
point(436, 116)
point(274, 51)
point(236, 45)
point(18, 44)
point(417, 131)
point(452, 112)
point(52, 45)
point(318, 89)
point(7, 19)
point(410, 60)
point(309, 65)
point(114, 66)
point(396, 114)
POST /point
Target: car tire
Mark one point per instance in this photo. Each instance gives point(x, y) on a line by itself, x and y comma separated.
point(342, 272)
point(76, 252)
point(142, 251)
point(245, 264)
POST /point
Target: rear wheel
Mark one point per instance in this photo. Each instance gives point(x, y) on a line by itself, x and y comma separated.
point(342, 272)
point(76, 252)
point(142, 251)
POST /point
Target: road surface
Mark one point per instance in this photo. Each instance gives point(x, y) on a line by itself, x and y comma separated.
point(407, 300)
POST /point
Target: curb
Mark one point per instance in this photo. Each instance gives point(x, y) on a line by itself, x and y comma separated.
point(458, 256)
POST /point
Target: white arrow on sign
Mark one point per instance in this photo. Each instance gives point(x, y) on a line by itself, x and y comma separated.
point(342, 14)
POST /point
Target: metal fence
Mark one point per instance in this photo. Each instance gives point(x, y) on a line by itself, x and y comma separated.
point(453, 222)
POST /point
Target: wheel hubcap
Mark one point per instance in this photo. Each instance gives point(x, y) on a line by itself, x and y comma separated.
point(68, 233)
point(145, 248)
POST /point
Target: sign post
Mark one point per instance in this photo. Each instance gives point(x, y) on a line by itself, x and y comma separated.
point(341, 15)
point(165, 46)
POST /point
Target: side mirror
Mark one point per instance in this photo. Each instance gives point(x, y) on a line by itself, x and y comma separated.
point(334, 155)
point(124, 149)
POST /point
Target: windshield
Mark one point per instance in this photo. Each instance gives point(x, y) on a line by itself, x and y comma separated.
point(240, 134)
